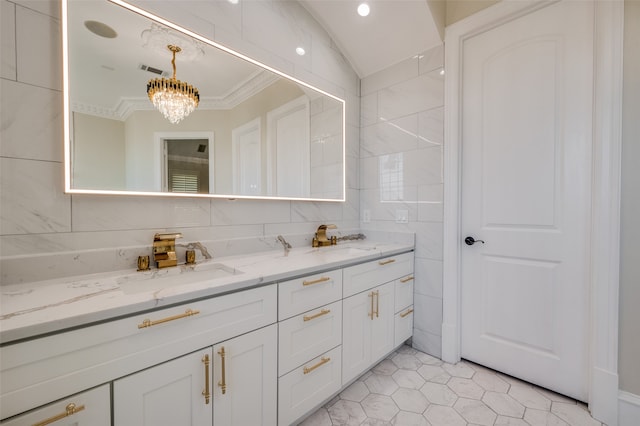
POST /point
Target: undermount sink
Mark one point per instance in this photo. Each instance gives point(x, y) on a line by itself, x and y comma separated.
point(159, 279)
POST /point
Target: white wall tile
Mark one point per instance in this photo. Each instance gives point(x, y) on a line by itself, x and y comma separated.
point(428, 313)
point(39, 50)
point(47, 7)
point(427, 342)
point(428, 280)
point(32, 198)
point(431, 127)
point(399, 135)
point(237, 212)
point(308, 211)
point(369, 109)
point(91, 213)
point(432, 59)
point(418, 94)
point(423, 166)
point(25, 135)
point(403, 71)
point(429, 239)
point(8, 40)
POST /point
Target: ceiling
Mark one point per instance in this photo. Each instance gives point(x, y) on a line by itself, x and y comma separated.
point(395, 30)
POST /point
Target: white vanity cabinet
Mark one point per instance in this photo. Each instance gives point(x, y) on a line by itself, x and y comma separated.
point(231, 383)
point(89, 408)
point(172, 393)
point(369, 312)
point(245, 379)
point(403, 309)
point(38, 371)
point(310, 335)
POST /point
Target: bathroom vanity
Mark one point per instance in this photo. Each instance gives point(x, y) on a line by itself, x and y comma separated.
point(244, 340)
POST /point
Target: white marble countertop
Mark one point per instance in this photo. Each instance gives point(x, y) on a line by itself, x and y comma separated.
point(32, 309)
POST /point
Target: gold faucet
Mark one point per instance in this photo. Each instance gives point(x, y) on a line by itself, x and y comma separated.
point(164, 249)
point(321, 240)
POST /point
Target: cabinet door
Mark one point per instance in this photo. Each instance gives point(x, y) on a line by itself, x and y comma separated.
point(383, 325)
point(168, 394)
point(90, 408)
point(357, 314)
point(245, 379)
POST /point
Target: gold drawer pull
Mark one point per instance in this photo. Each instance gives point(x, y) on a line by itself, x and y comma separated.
point(322, 361)
point(148, 323)
point(385, 262)
point(319, 314)
point(406, 280)
point(319, 280)
point(206, 393)
point(406, 313)
point(223, 382)
point(377, 303)
point(371, 295)
point(70, 410)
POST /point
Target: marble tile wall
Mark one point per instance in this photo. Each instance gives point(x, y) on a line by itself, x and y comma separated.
point(45, 233)
point(401, 184)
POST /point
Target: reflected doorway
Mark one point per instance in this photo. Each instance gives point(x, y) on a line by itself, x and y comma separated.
point(187, 163)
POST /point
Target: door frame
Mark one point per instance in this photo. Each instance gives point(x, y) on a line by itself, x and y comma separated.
point(605, 204)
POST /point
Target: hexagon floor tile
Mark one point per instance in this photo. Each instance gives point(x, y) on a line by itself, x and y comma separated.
point(410, 388)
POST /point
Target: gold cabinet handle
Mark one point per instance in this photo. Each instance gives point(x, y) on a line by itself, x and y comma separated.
point(406, 280)
point(377, 303)
point(323, 360)
point(223, 382)
point(319, 314)
point(148, 323)
point(386, 262)
point(70, 410)
point(319, 280)
point(206, 393)
point(372, 313)
point(406, 313)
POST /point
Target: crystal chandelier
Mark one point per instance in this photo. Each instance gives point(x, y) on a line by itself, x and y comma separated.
point(175, 99)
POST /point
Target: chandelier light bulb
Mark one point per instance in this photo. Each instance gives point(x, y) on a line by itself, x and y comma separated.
point(363, 9)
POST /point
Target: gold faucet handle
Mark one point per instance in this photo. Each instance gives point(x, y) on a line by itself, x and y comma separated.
point(163, 237)
point(329, 226)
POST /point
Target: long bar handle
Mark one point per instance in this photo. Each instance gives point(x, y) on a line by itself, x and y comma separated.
point(70, 410)
point(406, 313)
point(223, 382)
point(377, 303)
point(386, 262)
point(319, 314)
point(323, 360)
point(206, 393)
point(407, 279)
point(371, 295)
point(319, 280)
point(148, 323)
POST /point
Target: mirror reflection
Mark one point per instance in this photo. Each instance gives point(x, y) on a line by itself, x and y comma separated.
point(241, 129)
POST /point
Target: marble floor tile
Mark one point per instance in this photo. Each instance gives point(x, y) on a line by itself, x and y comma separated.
point(411, 388)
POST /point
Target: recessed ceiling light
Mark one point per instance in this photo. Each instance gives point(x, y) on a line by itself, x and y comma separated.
point(300, 51)
point(234, 1)
point(363, 9)
point(442, 71)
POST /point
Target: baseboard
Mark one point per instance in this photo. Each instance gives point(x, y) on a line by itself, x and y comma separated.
point(450, 344)
point(628, 409)
point(603, 397)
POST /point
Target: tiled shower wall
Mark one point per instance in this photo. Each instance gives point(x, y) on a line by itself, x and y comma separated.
point(46, 233)
point(401, 184)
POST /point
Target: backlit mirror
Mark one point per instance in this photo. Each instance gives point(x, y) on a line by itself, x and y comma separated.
point(256, 133)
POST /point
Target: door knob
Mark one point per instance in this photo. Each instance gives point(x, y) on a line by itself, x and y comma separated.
point(471, 241)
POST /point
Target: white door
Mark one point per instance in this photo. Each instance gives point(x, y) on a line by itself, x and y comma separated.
point(168, 394)
point(526, 158)
point(247, 158)
point(245, 379)
point(289, 150)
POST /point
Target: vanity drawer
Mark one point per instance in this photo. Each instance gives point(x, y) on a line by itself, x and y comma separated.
point(92, 408)
point(362, 277)
point(306, 293)
point(42, 370)
point(404, 325)
point(404, 292)
point(307, 335)
point(306, 387)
